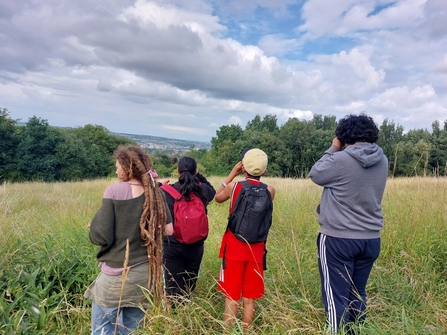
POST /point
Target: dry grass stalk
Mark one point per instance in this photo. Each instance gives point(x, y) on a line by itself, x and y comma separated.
point(124, 276)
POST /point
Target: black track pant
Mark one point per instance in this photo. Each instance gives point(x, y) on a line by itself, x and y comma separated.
point(182, 265)
point(345, 265)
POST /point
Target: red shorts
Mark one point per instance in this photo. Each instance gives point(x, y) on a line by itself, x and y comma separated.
point(241, 278)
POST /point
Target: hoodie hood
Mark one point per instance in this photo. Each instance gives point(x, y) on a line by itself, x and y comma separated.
point(367, 154)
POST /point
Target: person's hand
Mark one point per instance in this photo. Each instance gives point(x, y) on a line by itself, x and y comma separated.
point(224, 192)
point(169, 229)
point(337, 143)
point(163, 181)
point(237, 169)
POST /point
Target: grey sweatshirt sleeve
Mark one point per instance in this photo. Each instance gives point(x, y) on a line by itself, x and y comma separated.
point(323, 172)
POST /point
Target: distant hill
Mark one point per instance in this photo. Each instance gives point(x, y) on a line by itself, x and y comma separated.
point(167, 145)
point(156, 143)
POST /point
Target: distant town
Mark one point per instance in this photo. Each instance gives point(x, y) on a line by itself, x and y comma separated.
point(166, 145)
point(158, 144)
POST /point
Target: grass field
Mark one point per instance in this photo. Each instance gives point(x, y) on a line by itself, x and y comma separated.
point(47, 262)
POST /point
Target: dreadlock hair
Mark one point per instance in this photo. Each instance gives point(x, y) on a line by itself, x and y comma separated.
point(137, 162)
point(187, 168)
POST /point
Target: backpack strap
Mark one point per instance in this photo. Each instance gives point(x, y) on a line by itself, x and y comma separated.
point(246, 184)
point(171, 191)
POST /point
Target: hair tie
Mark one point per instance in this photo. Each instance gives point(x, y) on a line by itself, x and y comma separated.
point(152, 178)
point(152, 173)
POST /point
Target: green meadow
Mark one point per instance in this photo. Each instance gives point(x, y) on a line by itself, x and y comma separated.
point(47, 262)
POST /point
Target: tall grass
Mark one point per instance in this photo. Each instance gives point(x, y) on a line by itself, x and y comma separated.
point(47, 262)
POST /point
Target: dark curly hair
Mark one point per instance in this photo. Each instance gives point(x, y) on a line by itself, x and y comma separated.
point(357, 128)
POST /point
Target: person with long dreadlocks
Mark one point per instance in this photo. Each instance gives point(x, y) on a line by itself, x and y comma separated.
point(128, 228)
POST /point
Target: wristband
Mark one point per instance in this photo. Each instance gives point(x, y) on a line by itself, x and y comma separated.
point(223, 184)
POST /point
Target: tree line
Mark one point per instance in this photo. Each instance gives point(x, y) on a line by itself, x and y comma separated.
point(294, 147)
point(37, 151)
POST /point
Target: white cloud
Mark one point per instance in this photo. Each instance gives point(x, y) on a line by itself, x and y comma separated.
point(348, 75)
point(278, 45)
point(348, 16)
point(352, 107)
point(360, 64)
point(234, 120)
point(441, 66)
point(403, 97)
point(183, 129)
point(164, 16)
point(403, 105)
point(170, 67)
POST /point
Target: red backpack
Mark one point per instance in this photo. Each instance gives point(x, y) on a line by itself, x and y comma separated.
point(190, 219)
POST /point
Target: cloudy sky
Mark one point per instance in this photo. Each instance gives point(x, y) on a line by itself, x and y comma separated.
point(181, 69)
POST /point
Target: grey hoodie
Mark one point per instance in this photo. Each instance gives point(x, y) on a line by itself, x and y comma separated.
point(354, 181)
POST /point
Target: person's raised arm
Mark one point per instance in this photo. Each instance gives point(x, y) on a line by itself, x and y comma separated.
point(206, 186)
point(323, 172)
point(224, 191)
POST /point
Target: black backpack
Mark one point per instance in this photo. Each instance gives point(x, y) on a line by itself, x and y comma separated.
point(251, 217)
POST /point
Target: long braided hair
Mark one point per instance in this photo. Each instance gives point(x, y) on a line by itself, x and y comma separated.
point(137, 162)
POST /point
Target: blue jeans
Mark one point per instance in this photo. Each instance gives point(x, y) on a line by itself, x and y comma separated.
point(104, 319)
